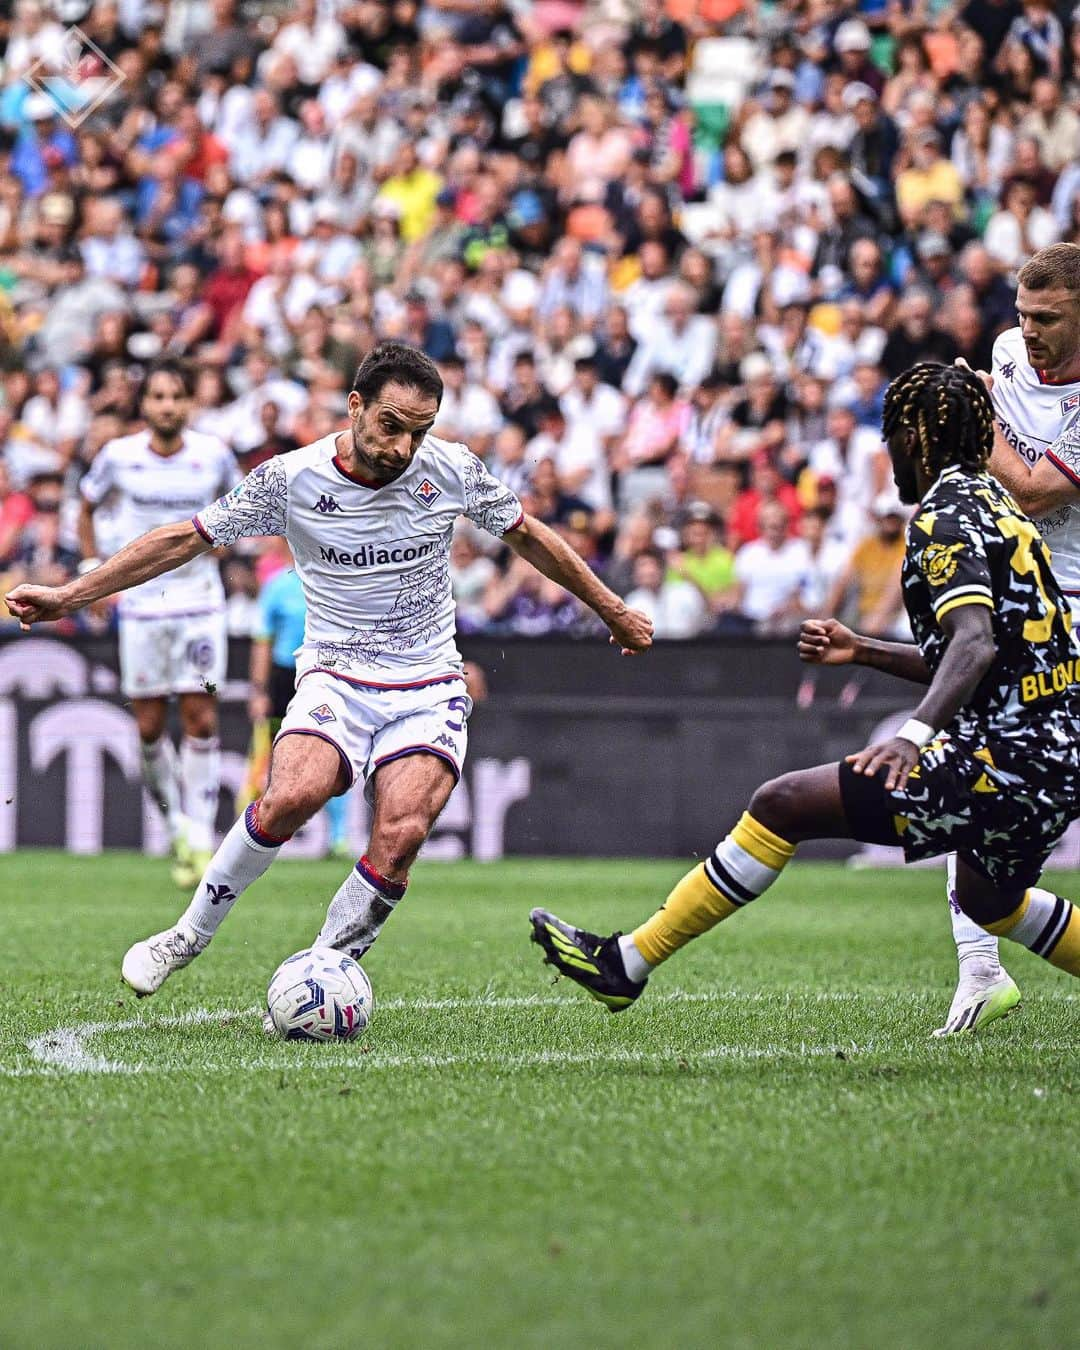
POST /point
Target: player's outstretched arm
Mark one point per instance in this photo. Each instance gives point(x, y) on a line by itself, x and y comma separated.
point(968, 657)
point(827, 642)
point(148, 556)
point(550, 554)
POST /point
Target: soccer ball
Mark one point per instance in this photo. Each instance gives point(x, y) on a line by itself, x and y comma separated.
point(319, 995)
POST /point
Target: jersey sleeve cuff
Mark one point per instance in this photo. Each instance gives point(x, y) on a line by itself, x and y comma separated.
point(516, 525)
point(1063, 468)
point(202, 530)
point(963, 595)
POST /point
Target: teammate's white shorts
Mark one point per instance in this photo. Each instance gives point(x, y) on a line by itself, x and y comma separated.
point(369, 727)
point(181, 655)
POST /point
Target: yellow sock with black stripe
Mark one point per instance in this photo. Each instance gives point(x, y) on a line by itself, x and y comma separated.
point(1048, 925)
point(744, 865)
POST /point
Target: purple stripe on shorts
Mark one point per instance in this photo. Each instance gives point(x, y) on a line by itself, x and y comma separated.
point(421, 750)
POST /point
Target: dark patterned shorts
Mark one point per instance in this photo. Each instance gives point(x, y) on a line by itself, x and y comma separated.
point(1001, 808)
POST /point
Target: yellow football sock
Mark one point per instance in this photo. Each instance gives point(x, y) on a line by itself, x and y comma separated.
point(1047, 924)
point(744, 865)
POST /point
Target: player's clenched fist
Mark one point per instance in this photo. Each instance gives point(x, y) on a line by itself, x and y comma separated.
point(826, 642)
point(35, 604)
point(632, 631)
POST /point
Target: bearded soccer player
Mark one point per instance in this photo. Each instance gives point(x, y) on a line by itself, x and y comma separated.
point(369, 514)
point(989, 766)
point(1035, 387)
point(172, 632)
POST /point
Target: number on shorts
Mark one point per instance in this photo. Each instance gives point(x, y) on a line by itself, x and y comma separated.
point(458, 705)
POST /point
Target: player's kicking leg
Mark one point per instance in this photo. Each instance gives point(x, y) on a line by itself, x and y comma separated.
point(305, 772)
point(984, 990)
point(830, 802)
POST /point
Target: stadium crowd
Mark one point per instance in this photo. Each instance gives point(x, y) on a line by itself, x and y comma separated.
point(666, 322)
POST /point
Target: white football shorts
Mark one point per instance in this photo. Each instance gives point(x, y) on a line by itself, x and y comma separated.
point(370, 726)
point(185, 654)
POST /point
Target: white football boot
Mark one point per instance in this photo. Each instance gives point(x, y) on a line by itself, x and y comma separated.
point(982, 996)
point(149, 964)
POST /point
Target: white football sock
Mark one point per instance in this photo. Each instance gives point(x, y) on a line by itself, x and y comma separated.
point(635, 965)
point(161, 774)
point(975, 947)
point(363, 903)
point(200, 770)
point(243, 856)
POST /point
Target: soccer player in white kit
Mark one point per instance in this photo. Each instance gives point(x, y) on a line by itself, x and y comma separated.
point(1035, 387)
point(369, 514)
point(172, 631)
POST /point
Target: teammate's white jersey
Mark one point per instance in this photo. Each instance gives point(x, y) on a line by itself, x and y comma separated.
point(1040, 418)
point(374, 559)
point(146, 490)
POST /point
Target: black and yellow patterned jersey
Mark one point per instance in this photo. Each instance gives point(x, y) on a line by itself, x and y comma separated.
point(969, 544)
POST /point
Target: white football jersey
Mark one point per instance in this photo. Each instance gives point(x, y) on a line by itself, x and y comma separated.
point(374, 559)
point(1040, 418)
point(142, 490)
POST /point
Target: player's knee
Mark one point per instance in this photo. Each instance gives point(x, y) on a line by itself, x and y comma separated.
point(285, 807)
point(775, 803)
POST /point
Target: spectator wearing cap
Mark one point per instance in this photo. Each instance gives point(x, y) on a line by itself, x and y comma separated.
point(766, 485)
point(769, 572)
point(1020, 228)
point(930, 177)
point(934, 270)
point(681, 343)
point(851, 43)
point(676, 606)
point(873, 145)
point(871, 576)
point(758, 417)
point(851, 455)
point(780, 124)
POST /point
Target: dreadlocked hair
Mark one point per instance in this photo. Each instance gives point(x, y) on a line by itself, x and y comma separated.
point(948, 409)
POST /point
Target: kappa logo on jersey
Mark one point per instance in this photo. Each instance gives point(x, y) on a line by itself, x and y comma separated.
point(327, 504)
point(427, 492)
point(1069, 404)
point(323, 714)
point(940, 562)
point(1009, 369)
point(443, 739)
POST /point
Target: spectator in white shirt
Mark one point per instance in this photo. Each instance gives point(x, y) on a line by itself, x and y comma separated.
point(467, 412)
point(312, 42)
point(262, 147)
point(309, 161)
point(852, 456)
point(782, 124)
point(109, 250)
point(770, 573)
point(682, 344)
point(578, 454)
point(589, 402)
point(1020, 228)
point(676, 608)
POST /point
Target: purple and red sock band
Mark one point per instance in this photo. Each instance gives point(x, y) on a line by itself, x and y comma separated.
point(251, 820)
point(393, 890)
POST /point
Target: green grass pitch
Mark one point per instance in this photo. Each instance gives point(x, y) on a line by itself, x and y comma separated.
point(768, 1151)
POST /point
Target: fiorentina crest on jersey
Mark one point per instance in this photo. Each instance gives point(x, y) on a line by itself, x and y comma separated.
point(427, 492)
point(1070, 403)
point(323, 714)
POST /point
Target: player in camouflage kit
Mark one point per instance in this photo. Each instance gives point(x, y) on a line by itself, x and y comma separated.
point(989, 766)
